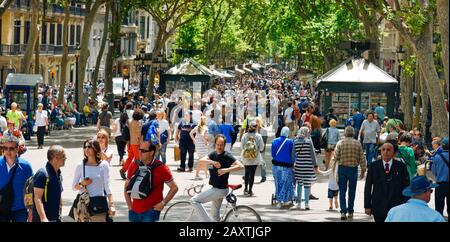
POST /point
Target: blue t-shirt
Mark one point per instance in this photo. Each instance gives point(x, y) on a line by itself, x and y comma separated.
point(54, 190)
point(24, 171)
point(227, 130)
point(358, 119)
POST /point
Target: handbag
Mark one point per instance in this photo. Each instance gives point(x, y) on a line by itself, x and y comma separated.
point(7, 195)
point(176, 153)
point(324, 140)
point(35, 128)
point(98, 205)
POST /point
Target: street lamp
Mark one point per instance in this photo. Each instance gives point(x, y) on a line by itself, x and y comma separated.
point(77, 55)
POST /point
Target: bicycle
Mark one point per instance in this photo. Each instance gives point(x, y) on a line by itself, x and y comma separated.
point(193, 189)
point(183, 211)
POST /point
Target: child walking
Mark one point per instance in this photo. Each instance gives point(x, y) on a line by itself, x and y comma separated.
point(333, 188)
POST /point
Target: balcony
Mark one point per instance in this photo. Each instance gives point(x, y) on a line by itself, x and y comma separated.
point(19, 49)
point(51, 8)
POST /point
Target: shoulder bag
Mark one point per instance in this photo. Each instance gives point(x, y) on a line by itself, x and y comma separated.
point(7, 195)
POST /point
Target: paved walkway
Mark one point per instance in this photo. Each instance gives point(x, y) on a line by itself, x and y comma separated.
point(72, 141)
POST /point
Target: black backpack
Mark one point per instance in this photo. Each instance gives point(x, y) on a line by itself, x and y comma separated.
point(141, 184)
point(125, 132)
point(28, 190)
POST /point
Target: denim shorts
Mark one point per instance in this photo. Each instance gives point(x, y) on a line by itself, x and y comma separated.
point(332, 193)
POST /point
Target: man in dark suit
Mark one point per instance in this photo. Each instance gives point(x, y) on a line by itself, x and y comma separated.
point(386, 179)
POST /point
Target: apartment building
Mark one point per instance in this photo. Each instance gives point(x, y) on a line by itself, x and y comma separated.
point(14, 32)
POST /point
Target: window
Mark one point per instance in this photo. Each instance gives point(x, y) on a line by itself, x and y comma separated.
point(44, 34)
point(78, 35)
point(27, 32)
point(17, 32)
point(148, 27)
point(94, 37)
point(72, 34)
point(142, 27)
point(52, 34)
point(59, 35)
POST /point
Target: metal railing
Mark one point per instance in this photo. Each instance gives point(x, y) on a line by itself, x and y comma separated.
point(19, 49)
point(51, 8)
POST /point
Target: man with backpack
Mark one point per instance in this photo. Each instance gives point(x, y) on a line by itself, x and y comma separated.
point(42, 192)
point(145, 184)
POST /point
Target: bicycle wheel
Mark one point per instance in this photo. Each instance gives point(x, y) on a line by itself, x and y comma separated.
point(242, 213)
point(179, 212)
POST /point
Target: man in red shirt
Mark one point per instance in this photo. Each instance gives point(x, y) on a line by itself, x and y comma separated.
point(149, 208)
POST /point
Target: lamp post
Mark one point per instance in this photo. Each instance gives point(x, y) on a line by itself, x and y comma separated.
point(77, 56)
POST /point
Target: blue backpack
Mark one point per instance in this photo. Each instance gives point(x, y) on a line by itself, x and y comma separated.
point(152, 134)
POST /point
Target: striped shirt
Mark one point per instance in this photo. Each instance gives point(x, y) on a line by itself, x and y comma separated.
point(305, 161)
point(349, 153)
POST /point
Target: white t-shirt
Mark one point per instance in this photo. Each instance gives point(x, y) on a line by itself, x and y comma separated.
point(108, 152)
point(288, 114)
point(99, 175)
point(163, 125)
point(41, 118)
point(118, 131)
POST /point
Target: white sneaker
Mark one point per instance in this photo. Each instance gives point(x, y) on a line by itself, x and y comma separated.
point(279, 205)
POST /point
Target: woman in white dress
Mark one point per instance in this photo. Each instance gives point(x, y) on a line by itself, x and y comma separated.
point(201, 145)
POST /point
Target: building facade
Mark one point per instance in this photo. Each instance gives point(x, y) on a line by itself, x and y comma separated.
point(15, 29)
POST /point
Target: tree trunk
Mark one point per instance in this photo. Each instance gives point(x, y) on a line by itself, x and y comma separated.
point(115, 27)
point(4, 6)
point(84, 45)
point(426, 62)
point(442, 15)
point(32, 38)
point(373, 35)
point(425, 101)
point(406, 90)
point(64, 60)
point(100, 55)
point(419, 81)
point(36, 57)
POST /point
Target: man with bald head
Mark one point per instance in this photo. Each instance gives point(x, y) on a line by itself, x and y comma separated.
point(386, 179)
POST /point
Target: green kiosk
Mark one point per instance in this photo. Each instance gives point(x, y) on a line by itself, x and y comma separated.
point(188, 75)
point(356, 83)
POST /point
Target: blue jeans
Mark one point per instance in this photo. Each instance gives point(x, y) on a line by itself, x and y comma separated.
point(162, 153)
point(263, 170)
point(83, 120)
point(348, 176)
point(371, 152)
point(299, 195)
point(148, 216)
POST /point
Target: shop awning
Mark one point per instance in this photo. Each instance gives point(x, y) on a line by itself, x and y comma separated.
point(356, 71)
point(190, 67)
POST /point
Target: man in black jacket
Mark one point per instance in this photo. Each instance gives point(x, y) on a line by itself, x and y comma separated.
point(386, 179)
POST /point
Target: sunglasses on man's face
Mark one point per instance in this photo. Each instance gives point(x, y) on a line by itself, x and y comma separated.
point(144, 150)
point(87, 147)
point(8, 148)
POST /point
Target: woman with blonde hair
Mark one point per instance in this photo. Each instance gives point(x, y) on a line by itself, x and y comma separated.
point(332, 134)
point(103, 140)
point(201, 144)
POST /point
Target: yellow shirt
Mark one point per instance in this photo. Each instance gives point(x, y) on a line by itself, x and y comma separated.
point(14, 116)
